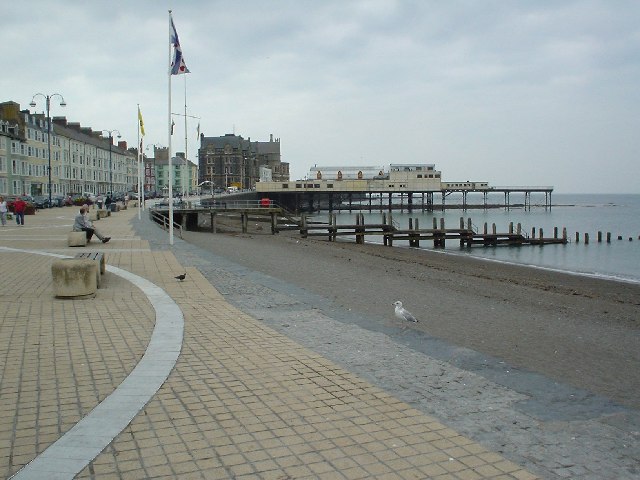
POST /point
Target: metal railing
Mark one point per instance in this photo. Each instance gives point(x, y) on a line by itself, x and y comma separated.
point(164, 221)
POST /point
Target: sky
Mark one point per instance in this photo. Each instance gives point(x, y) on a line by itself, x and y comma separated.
point(514, 93)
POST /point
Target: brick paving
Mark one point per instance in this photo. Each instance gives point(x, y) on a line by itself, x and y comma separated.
point(243, 401)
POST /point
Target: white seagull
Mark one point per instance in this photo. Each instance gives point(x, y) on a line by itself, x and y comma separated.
point(402, 313)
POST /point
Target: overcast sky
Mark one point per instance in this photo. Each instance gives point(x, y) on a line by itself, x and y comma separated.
point(515, 93)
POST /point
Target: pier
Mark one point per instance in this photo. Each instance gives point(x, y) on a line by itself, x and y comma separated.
point(205, 217)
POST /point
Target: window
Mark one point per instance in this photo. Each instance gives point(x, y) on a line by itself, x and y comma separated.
point(3, 168)
point(285, 185)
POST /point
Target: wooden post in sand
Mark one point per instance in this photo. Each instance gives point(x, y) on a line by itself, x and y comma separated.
point(274, 223)
point(303, 226)
point(564, 234)
point(577, 237)
point(599, 236)
point(608, 237)
point(586, 238)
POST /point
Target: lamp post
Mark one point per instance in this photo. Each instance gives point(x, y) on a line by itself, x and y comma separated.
point(111, 132)
point(48, 105)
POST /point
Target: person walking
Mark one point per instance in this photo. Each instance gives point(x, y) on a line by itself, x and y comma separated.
point(83, 224)
point(3, 211)
point(19, 206)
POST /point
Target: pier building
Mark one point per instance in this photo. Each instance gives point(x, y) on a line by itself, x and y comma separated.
point(402, 185)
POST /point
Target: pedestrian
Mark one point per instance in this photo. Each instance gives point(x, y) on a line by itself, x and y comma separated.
point(19, 207)
point(126, 200)
point(83, 224)
point(3, 210)
point(99, 200)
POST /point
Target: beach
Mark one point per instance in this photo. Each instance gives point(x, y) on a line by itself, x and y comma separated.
point(571, 329)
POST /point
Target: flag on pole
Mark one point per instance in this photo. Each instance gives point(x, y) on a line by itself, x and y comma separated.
point(198, 137)
point(173, 124)
point(141, 122)
point(178, 67)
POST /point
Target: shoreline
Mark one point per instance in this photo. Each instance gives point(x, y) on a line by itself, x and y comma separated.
point(574, 329)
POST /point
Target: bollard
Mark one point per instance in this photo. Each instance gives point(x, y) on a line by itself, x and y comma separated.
point(599, 236)
point(608, 237)
point(541, 234)
point(511, 228)
point(577, 237)
point(555, 232)
point(586, 238)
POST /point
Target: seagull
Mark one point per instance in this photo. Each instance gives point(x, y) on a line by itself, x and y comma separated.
point(402, 313)
point(181, 277)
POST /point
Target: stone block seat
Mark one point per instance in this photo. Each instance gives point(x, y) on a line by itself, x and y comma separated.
point(103, 212)
point(77, 239)
point(74, 277)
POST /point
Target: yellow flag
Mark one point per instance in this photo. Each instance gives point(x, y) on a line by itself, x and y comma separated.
point(141, 122)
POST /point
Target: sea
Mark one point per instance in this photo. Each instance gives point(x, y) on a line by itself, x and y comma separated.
point(618, 214)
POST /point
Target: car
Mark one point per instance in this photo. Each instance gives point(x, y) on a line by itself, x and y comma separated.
point(57, 201)
point(42, 201)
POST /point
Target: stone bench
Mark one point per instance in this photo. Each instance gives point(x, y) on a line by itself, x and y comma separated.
point(93, 216)
point(77, 239)
point(103, 212)
point(96, 257)
point(74, 277)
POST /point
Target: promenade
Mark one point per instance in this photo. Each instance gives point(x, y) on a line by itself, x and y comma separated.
point(156, 378)
point(241, 401)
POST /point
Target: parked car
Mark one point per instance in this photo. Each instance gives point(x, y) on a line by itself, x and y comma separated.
point(58, 201)
point(41, 201)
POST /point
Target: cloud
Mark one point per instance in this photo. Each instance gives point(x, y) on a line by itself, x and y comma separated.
point(510, 93)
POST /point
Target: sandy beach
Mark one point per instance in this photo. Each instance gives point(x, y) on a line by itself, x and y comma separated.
point(572, 329)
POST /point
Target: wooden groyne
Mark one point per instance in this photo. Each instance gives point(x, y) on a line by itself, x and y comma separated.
point(439, 234)
point(205, 217)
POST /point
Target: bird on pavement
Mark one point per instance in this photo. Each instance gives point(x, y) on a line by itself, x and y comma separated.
point(181, 277)
point(402, 313)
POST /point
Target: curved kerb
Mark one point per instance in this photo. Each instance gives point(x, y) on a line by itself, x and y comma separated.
point(83, 442)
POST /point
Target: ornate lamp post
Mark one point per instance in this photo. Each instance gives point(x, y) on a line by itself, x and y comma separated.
point(111, 132)
point(48, 105)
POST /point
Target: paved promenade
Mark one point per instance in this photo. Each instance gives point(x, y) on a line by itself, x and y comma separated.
point(156, 378)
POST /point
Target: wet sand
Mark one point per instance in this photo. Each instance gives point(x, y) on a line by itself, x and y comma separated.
point(576, 330)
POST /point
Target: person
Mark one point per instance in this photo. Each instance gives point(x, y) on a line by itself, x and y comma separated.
point(126, 199)
point(19, 207)
point(83, 224)
point(3, 210)
point(99, 200)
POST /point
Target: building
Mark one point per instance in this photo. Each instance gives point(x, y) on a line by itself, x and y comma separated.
point(397, 178)
point(183, 173)
point(81, 159)
point(230, 160)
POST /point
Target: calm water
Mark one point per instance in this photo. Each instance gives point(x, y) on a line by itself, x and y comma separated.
point(584, 213)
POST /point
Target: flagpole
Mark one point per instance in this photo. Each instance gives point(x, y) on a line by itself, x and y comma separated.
point(169, 147)
point(139, 153)
point(184, 185)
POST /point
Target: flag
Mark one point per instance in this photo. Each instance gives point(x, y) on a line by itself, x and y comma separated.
point(198, 137)
point(173, 124)
point(178, 66)
point(141, 122)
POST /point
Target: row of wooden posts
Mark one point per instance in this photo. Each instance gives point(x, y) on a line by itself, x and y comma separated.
point(439, 233)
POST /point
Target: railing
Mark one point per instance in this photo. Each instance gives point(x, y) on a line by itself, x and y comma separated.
point(159, 218)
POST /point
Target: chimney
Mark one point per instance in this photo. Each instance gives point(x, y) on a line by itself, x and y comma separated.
point(271, 137)
point(122, 144)
point(62, 121)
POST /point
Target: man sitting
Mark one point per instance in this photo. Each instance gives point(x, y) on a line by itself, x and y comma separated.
point(83, 224)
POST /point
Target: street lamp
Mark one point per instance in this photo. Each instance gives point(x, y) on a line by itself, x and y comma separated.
point(48, 105)
point(111, 132)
